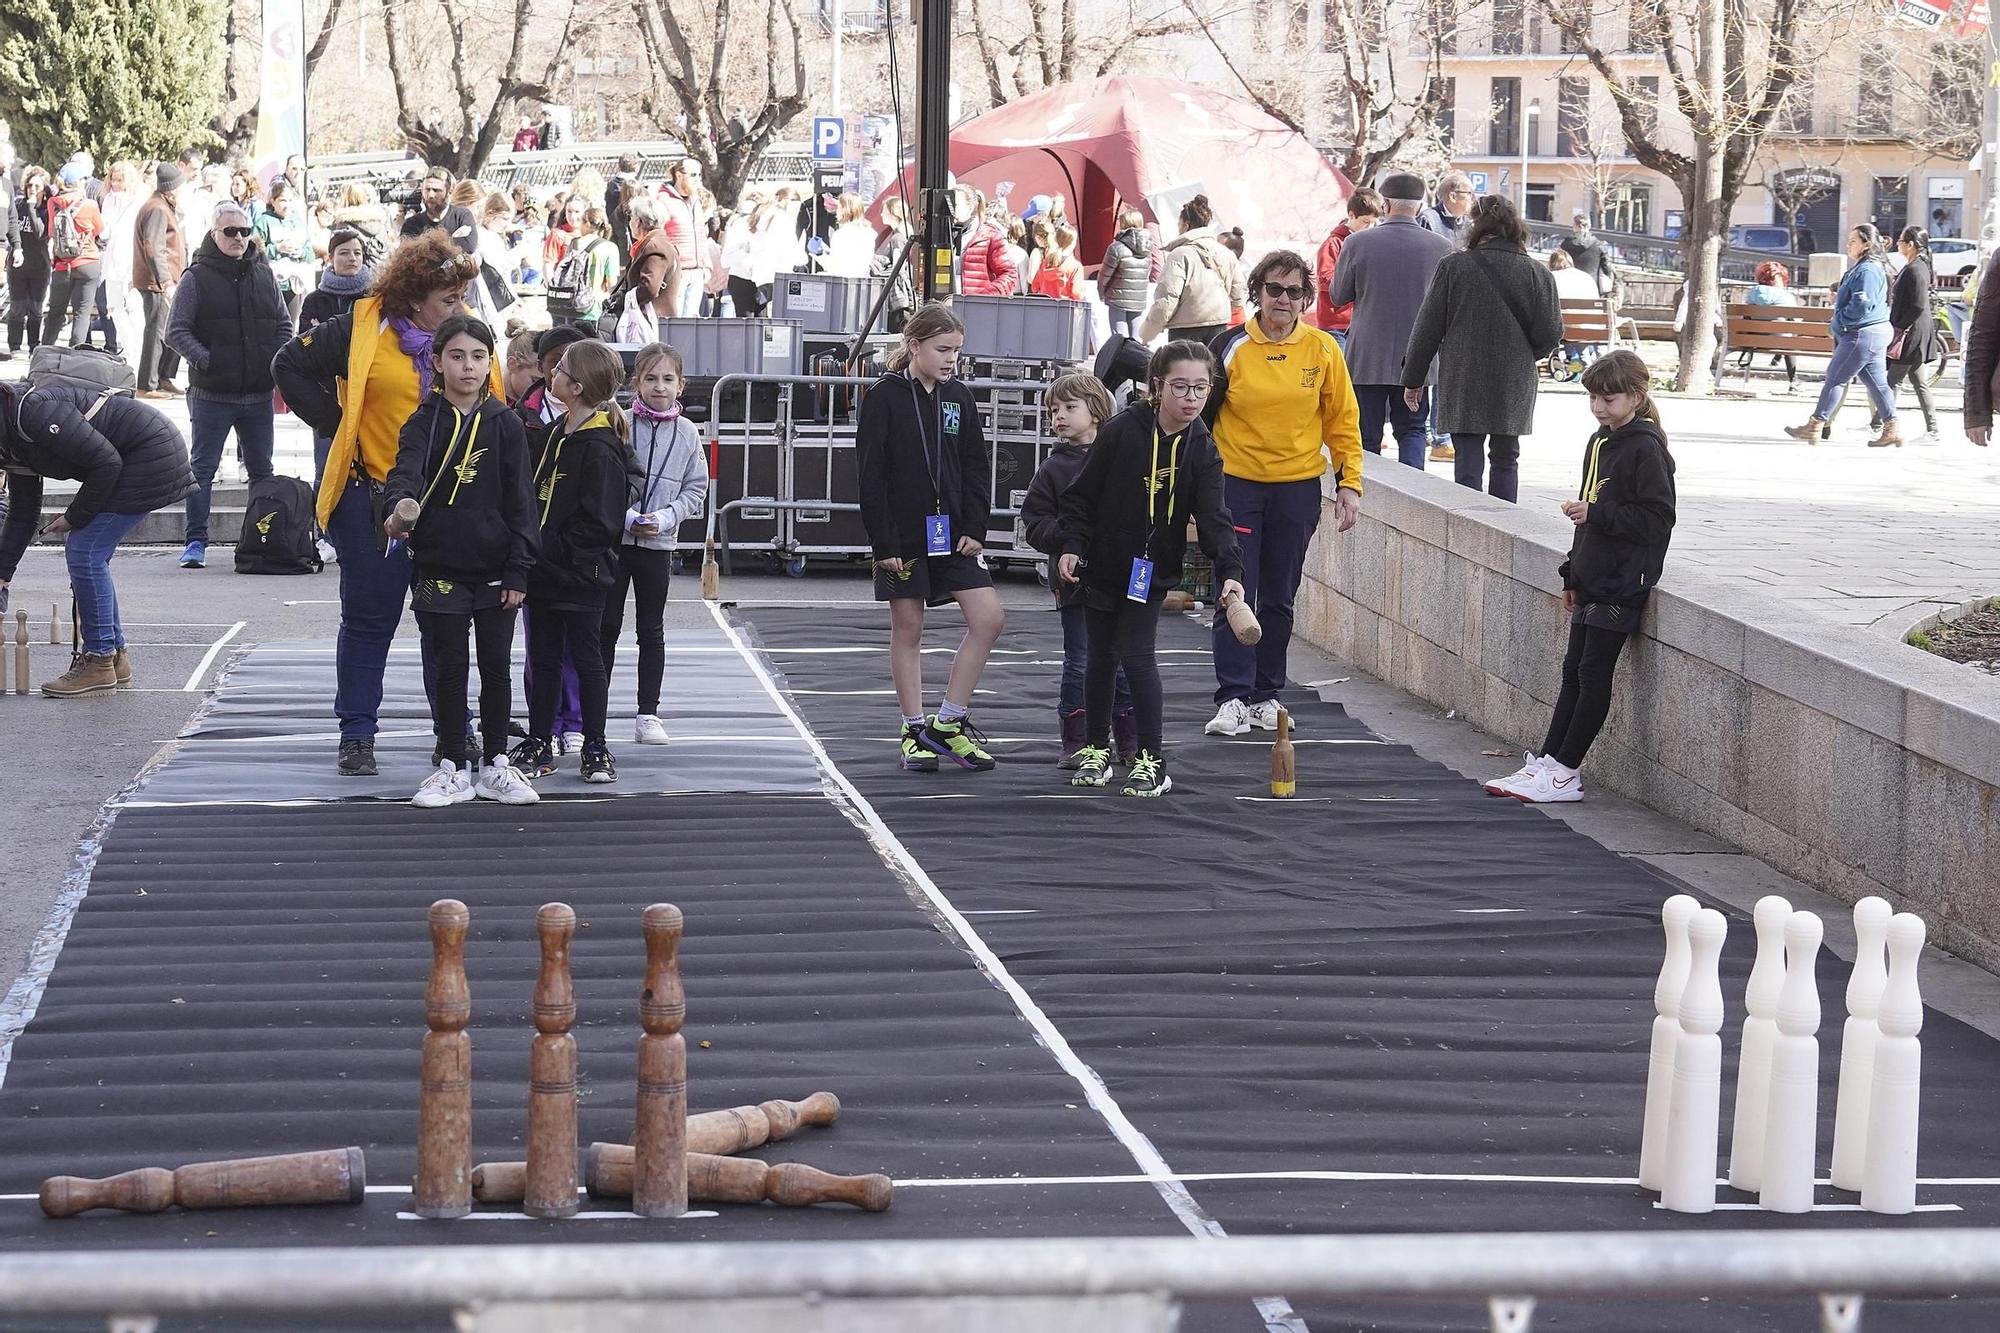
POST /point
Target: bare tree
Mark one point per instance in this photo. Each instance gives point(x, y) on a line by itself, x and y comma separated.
point(1594, 141)
point(462, 137)
point(1024, 46)
point(1730, 65)
point(719, 93)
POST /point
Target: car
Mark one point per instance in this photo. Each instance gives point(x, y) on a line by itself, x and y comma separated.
point(1953, 256)
point(1772, 237)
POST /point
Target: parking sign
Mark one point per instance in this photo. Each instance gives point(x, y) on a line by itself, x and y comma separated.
point(1478, 181)
point(829, 139)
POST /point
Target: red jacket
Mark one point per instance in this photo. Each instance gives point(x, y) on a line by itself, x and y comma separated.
point(1330, 318)
point(985, 269)
point(89, 228)
point(681, 220)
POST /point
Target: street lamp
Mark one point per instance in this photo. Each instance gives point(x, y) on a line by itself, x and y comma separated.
point(1528, 137)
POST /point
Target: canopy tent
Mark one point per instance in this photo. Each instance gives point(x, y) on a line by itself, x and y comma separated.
point(1152, 144)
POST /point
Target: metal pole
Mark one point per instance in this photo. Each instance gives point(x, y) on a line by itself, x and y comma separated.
point(936, 272)
point(1989, 154)
point(839, 108)
point(1528, 118)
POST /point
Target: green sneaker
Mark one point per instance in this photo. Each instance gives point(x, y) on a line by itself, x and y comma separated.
point(1148, 776)
point(1093, 767)
point(955, 741)
point(916, 759)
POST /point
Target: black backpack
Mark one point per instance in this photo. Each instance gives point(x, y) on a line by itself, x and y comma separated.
point(280, 529)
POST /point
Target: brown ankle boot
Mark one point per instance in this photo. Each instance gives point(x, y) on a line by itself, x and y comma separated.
point(121, 663)
point(89, 674)
point(1892, 434)
point(1808, 432)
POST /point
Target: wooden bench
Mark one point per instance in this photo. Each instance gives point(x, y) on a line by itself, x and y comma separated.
point(1782, 330)
point(1588, 322)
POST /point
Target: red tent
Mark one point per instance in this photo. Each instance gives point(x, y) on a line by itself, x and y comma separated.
point(1152, 143)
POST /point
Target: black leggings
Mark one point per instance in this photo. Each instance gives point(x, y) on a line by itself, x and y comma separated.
point(549, 631)
point(1123, 636)
point(645, 571)
point(444, 637)
point(1585, 699)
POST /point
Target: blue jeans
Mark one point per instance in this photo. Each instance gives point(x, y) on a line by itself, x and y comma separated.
point(1860, 354)
point(88, 550)
point(373, 589)
point(210, 422)
point(1274, 521)
point(1340, 339)
point(1076, 659)
point(1384, 402)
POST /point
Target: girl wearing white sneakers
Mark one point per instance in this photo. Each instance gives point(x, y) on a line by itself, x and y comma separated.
point(676, 483)
point(1624, 516)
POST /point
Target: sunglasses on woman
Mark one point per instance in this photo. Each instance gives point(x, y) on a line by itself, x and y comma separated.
point(1274, 290)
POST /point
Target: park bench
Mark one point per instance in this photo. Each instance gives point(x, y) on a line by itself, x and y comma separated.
point(1781, 330)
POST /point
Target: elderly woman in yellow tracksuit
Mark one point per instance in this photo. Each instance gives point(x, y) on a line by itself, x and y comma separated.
point(357, 378)
point(1282, 403)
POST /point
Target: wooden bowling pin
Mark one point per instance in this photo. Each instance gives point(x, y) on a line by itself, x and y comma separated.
point(1889, 1171)
point(444, 1107)
point(20, 652)
point(1676, 915)
point(1857, 1040)
point(1695, 1111)
point(337, 1175)
point(783, 1119)
point(1760, 1034)
point(1790, 1139)
point(1284, 772)
point(551, 1184)
point(659, 1182)
point(403, 518)
point(1243, 622)
point(712, 1178)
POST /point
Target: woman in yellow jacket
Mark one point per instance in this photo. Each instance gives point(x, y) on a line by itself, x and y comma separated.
point(1282, 402)
point(357, 378)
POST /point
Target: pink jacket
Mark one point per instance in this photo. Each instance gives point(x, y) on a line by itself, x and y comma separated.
point(681, 219)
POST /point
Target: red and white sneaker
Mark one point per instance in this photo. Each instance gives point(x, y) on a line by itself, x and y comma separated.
point(1551, 784)
point(1505, 786)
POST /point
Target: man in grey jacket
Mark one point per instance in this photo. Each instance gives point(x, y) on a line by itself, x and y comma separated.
point(1385, 271)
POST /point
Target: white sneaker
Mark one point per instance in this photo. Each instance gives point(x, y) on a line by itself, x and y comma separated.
point(572, 743)
point(1505, 786)
point(1232, 719)
point(1264, 716)
point(450, 785)
point(647, 730)
point(501, 781)
point(1551, 784)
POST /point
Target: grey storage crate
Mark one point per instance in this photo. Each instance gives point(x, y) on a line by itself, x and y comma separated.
point(1024, 328)
point(823, 303)
point(713, 347)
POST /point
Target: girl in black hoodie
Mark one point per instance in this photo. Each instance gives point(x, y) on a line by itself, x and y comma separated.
point(1624, 516)
point(1124, 536)
point(463, 458)
point(581, 491)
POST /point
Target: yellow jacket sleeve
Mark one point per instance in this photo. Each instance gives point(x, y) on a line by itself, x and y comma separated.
point(1340, 420)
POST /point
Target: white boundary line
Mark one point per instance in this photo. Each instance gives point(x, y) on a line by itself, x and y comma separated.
point(208, 658)
point(1277, 1312)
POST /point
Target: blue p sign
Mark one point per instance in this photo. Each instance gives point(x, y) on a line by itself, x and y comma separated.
point(829, 139)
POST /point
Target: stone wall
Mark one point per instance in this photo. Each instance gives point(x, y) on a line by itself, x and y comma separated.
point(1854, 763)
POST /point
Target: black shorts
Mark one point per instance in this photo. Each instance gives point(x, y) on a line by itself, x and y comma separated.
point(934, 578)
point(1614, 616)
point(453, 597)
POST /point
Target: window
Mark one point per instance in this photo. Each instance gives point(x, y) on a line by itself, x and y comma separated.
point(1643, 26)
point(1509, 21)
point(1647, 89)
point(1572, 117)
point(1795, 113)
point(1892, 204)
point(1875, 99)
point(1628, 208)
point(1447, 111)
point(1503, 136)
point(1570, 43)
point(1541, 202)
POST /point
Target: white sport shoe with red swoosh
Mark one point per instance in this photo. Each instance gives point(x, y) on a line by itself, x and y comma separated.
point(1550, 784)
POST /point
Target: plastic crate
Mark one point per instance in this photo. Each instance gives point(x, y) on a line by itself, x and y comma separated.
point(823, 303)
point(714, 347)
point(1023, 328)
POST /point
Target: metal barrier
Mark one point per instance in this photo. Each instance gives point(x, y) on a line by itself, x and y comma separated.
point(548, 169)
point(782, 451)
point(1084, 1284)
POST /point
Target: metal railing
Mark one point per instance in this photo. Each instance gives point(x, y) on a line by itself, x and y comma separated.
point(1634, 250)
point(549, 169)
point(1506, 1271)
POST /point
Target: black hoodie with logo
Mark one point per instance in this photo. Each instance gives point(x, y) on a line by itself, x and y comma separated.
point(920, 452)
point(582, 485)
point(470, 472)
point(1619, 549)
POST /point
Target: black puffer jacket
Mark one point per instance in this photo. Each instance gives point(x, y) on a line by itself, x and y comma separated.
point(1040, 516)
point(229, 320)
point(130, 458)
point(1628, 482)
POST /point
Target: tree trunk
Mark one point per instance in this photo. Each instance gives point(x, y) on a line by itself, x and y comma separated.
point(1707, 214)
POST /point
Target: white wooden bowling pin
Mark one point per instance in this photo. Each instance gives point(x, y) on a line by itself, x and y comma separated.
point(1676, 915)
point(1889, 1175)
point(1695, 1113)
point(1791, 1119)
point(1760, 1034)
point(1857, 1040)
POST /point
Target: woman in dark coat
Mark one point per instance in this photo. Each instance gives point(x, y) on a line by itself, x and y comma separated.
point(1489, 318)
point(129, 460)
point(1914, 342)
point(28, 260)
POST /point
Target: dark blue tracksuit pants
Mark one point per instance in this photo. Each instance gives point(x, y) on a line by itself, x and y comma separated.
point(1274, 523)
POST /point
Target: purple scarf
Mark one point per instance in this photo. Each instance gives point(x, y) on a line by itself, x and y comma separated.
point(646, 413)
point(416, 344)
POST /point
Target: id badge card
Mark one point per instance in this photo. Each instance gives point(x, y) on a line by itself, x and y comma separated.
point(937, 533)
point(1141, 586)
